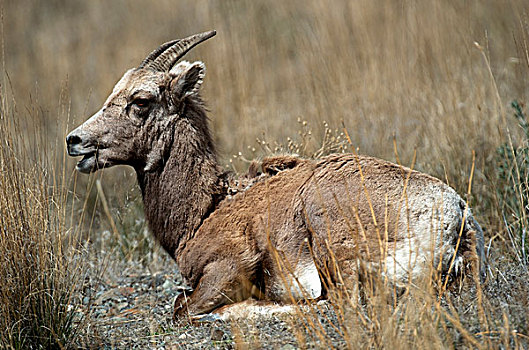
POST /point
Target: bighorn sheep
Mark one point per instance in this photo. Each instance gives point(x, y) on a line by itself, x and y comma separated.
point(311, 219)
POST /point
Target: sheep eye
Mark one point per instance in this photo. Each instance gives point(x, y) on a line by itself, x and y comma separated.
point(141, 102)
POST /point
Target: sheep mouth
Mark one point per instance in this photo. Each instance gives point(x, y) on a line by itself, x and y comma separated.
point(88, 164)
point(93, 161)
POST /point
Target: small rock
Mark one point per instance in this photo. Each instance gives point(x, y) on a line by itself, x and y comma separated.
point(122, 306)
point(168, 284)
point(288, 347)
point(100, 312)
point(158, 280)
point(217, 334)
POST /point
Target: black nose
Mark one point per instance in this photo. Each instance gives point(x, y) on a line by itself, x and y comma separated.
point(73, 140)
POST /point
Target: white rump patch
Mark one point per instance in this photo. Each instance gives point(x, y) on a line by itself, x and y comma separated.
point(432, 215)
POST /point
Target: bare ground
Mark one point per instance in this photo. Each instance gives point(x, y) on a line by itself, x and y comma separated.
point(130, 307)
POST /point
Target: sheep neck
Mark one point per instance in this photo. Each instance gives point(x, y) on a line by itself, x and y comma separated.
point(186, 188)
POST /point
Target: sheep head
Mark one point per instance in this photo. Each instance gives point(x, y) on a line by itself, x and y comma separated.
point(130, 127)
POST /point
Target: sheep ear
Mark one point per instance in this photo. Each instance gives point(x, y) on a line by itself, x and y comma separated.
point(186, 78)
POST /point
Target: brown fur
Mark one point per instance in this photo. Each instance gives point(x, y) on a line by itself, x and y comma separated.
point(266, 234)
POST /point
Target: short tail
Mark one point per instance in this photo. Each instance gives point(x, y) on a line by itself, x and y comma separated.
point(480, 247)
point(472, 245)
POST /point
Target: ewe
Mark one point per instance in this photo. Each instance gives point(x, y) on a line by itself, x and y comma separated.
point(291, 231)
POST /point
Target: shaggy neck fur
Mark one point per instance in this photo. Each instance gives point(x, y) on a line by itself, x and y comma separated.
point(180, 193)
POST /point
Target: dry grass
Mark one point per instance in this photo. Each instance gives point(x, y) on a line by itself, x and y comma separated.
point(408, 70)
point(391, 70)
point(41, 269)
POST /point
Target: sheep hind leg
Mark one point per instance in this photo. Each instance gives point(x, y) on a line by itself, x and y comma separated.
point(251, 309)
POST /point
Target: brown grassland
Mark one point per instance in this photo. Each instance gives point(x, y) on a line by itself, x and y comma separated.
point(429, 84)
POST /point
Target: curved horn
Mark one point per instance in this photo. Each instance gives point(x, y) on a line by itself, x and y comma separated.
point(157, 53)
point(164, 57)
